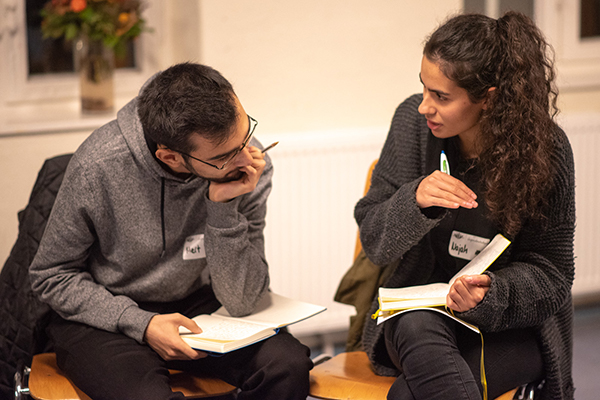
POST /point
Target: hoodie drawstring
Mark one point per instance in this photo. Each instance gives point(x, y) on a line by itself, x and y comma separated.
point(162, 216)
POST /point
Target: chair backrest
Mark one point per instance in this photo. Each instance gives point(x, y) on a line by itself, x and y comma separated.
point(358, 246)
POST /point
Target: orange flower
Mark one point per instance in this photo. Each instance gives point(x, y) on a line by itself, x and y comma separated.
point(78, 5)
point(127, 20)
point(123, 18)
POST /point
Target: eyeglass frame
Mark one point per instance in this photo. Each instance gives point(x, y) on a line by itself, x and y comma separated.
point(251, 129)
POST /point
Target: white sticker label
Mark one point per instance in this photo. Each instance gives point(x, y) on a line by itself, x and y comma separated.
point(193, 248)
point(465, 246)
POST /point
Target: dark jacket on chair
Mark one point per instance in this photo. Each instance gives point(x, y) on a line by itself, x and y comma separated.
point(23, 316)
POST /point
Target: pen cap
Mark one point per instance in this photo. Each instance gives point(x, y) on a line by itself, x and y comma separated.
point(444, 165)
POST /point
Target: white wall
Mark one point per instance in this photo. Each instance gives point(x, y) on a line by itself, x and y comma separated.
point(20, 160)
point(579, 101)
point(313, 64)
point(296, 66)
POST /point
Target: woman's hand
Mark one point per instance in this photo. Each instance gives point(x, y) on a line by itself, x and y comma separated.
point(443, 190)
point(467, 291)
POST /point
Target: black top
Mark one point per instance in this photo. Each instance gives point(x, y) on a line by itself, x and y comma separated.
point(462, 232)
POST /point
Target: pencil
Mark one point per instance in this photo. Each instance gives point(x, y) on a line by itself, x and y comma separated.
point(269, 147)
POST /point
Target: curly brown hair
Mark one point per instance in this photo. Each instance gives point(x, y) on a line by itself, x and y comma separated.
point(517, 128)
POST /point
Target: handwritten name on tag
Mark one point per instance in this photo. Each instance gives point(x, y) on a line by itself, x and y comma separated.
point(465, 246)
point(193, 248)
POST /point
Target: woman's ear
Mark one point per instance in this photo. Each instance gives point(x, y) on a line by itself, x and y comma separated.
point(488, 97)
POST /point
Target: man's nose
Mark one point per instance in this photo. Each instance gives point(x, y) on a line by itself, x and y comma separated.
point(243, 158)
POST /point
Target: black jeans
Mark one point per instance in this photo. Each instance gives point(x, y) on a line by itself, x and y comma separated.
point(440, 359)
point(108, 365)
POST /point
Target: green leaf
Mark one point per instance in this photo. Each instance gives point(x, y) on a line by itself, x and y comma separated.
point(98, 21)
point(71, 31)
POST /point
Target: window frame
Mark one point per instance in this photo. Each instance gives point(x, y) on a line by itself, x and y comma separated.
point(578, 60)
point(19, 87)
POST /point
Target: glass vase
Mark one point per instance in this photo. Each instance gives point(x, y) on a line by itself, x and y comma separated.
point(95, 64)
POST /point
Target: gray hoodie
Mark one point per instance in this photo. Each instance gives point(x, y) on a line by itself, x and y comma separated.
point(123, 230)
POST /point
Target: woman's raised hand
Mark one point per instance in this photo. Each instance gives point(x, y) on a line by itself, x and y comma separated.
point(443, 190)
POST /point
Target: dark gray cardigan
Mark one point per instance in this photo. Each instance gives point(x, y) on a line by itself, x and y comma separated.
point(531, 281)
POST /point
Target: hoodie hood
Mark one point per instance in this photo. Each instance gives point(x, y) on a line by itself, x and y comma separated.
point(133, 133)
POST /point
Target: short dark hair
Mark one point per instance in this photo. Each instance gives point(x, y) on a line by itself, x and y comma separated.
point(185, 99)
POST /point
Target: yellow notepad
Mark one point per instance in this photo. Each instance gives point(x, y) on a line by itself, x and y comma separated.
point(395, 301)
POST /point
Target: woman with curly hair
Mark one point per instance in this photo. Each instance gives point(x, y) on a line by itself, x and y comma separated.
point(488, 103)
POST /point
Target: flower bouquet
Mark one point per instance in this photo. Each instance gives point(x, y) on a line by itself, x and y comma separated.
point(100, 30)
point(113, 22)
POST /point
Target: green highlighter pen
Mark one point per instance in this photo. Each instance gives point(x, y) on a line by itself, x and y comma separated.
point(444, 165)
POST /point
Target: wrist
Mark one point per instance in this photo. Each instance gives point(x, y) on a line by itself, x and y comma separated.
point(134, 321)
point(216, 198)
point(223, 214)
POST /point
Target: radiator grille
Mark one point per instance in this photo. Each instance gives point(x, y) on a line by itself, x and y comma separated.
point(584, 134)
point(311, 232)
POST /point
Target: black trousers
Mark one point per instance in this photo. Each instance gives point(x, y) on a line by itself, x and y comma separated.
point(108, 365)
point(440, 359)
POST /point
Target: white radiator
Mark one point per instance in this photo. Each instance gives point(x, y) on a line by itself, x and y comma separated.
point(319, 177)
point(584, 134)
point(311, 232)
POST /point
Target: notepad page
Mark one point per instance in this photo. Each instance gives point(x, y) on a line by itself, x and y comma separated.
point(277, 311)
point(223, 330)
point(484, 259)
point(414, 292)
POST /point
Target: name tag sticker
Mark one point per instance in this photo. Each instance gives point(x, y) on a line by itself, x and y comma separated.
point(193, 248)
point(465, 246)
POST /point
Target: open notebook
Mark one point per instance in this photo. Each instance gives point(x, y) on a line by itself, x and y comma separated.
point(222, 333)
point(395, 301)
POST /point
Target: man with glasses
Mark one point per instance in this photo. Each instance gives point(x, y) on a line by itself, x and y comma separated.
point(159, 218)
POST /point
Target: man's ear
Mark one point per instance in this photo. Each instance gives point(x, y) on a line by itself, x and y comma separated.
point(171, 158)
point(488, 97)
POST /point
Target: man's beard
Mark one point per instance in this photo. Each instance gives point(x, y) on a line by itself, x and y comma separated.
point(234, 175)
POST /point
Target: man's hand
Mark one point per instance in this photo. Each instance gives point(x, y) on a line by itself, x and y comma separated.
point(223, 192)
point(162, 335)
point(443, 190)
point(468, 291)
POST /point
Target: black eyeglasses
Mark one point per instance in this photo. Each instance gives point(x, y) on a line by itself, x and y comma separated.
point(229, 158)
